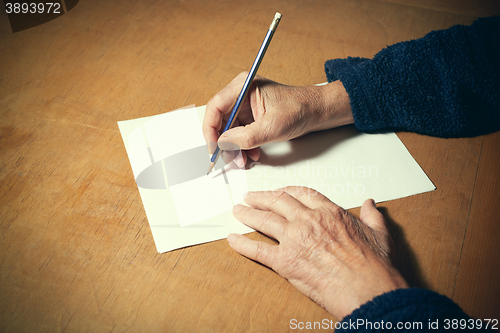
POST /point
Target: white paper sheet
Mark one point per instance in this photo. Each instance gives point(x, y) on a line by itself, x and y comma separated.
point(185, 207)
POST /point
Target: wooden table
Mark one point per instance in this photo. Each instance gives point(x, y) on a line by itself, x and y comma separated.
point(76, 251)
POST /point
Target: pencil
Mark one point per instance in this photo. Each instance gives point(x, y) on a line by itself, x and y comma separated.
point(247, 84)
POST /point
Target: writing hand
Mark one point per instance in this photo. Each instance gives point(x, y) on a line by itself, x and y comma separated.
point(273, 112)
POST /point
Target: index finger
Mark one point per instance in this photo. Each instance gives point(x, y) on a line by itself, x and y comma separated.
point(220, 105)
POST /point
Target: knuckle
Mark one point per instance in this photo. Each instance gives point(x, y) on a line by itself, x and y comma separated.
point(338, 213)
point(266, 218)
point(242, 75)
point(295, 189)
point(303, 232)
point(215, 101)
point(210, 102)
point(260, 253)
point(248, 140)
point(302, 191)
point(278, 197)
point(312, 216)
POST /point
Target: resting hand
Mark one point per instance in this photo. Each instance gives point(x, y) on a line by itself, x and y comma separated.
point(327, 254)
point(273, 112)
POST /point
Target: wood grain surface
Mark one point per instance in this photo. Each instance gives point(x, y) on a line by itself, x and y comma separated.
point(76, 251)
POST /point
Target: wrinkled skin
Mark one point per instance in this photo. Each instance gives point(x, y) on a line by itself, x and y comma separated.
point(326, 253)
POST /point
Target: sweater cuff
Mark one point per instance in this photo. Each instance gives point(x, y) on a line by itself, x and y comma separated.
point(351, 72)
point(411, 309)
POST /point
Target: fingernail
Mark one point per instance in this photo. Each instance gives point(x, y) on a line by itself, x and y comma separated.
point(240, 163)
point(373, 203)
point(237, 208)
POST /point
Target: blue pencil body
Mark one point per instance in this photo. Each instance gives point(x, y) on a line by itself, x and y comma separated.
point(246, 85)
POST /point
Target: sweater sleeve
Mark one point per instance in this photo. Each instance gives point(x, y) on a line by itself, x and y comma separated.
point(408, 310)
point(445, 84)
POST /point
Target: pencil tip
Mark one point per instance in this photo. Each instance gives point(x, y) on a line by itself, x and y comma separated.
point(210, 168)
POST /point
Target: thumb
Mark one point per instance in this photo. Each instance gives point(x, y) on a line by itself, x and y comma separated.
point(244, 137)
point(370, 216)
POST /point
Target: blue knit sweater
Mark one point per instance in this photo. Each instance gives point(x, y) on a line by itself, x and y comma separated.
point(445, 84)
point(409, 310)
